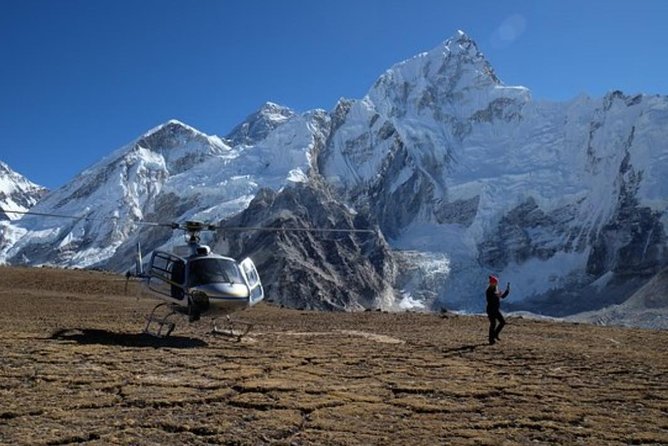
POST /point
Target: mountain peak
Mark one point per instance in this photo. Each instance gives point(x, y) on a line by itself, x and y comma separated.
point(429, 81)
point(459, 52)
point(461, 43)
point(271, 111)
point(172, 133)
point(258, 125)
point(171, 126)
point(8, 175)
point(272, 107)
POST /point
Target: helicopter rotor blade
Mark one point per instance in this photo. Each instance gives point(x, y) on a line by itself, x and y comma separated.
point(292, 229)
point(197, 226)
point(43, 214)
point(157, 224)
point(81, 217)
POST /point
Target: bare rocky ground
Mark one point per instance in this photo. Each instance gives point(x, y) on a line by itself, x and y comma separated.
point(75, 369)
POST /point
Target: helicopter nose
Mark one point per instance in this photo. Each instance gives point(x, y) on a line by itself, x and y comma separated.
point(222, 298)
point(231, 291)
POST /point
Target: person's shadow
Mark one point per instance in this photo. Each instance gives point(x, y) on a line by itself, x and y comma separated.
point(87, 336)
point(461, 350)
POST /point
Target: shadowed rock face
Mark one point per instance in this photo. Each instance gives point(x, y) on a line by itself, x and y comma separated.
point(3, 216)
point(622, 253)
point(528, 232)
point(311, 270)
point(633, 241)
point(646, 308)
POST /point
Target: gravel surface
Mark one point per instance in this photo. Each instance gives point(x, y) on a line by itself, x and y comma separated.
point(75, 368)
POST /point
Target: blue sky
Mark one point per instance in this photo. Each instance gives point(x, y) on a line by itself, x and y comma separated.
point(80, 78)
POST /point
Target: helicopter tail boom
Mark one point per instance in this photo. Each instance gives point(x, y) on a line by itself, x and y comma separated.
point(139, 269)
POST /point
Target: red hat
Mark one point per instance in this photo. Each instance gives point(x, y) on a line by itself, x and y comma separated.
point(493, 280)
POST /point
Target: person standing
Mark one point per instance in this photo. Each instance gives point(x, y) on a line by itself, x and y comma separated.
point(494, 297)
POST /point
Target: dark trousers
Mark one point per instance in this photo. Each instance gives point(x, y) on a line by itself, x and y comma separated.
point(494, 315)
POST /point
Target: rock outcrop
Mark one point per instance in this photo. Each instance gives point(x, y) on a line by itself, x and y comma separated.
point(307, 268)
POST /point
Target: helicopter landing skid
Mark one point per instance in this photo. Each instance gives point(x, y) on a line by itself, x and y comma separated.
point(233, 329)
point(161, 322)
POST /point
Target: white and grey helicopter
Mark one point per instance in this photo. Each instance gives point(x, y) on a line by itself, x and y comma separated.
point(193, 281)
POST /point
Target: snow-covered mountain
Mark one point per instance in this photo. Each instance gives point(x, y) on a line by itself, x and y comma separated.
point(463, 174)
point(17, 192)
point(171, 173)
point(550, 196)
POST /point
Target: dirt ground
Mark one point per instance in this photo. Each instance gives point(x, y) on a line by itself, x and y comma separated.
point(75, 369)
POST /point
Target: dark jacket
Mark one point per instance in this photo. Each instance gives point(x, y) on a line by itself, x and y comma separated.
point(494, 297)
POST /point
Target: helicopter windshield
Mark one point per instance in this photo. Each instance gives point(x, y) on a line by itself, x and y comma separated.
point(205, 271)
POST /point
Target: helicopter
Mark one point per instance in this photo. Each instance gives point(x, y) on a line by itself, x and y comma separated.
point(193, 281)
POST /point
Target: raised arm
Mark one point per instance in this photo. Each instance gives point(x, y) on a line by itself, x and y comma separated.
point(506, 293)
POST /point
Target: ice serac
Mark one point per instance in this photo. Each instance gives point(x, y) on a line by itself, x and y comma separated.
point(551, 196)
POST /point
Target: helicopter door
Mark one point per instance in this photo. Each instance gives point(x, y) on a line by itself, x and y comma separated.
point(167, 275)
point(253, 280)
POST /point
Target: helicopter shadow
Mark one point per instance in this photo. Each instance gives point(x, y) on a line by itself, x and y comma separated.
point(89, 336)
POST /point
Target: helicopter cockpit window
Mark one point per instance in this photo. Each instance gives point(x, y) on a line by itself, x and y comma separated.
point(204, 271)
